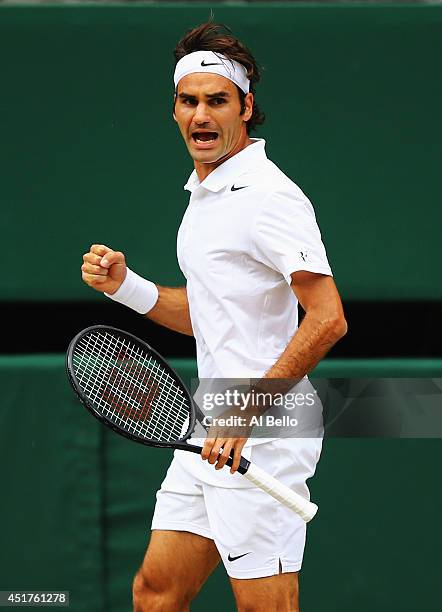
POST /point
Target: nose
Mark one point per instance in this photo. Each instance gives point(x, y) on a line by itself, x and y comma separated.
point(201, 114)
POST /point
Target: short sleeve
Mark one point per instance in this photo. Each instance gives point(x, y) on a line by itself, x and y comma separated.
point(285, 235)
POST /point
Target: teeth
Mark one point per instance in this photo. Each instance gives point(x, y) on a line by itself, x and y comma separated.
point(207, 140)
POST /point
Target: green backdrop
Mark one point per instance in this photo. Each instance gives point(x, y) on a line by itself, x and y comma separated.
point(90, 152)
point(77, 501)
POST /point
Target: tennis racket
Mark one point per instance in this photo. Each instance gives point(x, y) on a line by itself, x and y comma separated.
point(130, 388)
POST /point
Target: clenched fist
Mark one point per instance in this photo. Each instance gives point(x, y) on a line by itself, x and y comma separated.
point(103, 269)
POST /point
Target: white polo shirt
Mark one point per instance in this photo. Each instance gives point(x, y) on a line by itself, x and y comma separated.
point(246, 229)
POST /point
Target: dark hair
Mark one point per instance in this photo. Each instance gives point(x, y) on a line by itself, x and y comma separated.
point(218, 38)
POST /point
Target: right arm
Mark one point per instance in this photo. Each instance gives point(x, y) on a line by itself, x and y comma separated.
point(105, 270)
point(172, 310)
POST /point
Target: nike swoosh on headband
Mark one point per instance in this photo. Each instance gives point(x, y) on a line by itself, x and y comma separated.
point(211, 64)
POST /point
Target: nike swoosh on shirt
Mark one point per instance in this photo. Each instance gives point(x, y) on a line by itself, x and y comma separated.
point(211, 64)
point(230, 558)
point(233, 188)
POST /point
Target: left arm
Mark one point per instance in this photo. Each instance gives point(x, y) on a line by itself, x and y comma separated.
point(323, 325)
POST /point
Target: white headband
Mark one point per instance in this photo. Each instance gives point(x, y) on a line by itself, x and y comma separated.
point(208, 61)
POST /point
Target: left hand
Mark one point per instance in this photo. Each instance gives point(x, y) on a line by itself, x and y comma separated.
point(226, 438)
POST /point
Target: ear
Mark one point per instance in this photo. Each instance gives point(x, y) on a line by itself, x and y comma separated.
point(249, 106)
point(174, 101)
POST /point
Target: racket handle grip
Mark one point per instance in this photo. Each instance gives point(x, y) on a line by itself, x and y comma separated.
point(305, 508)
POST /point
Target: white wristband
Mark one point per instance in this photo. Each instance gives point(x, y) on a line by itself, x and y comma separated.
point(136, 292)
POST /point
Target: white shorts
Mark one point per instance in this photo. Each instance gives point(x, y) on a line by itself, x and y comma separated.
point(256, 536)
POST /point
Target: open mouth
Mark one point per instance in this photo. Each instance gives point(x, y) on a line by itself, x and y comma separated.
point(204, 137)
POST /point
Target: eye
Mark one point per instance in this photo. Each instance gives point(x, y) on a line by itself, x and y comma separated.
point(218, 101)
point(188, 101)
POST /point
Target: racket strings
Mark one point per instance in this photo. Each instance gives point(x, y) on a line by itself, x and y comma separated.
point(121, 394)
point(130, 387)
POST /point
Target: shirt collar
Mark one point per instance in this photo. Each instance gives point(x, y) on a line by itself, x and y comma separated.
point(229, 170)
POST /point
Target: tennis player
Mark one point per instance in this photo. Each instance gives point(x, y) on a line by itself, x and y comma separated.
point(250, 249)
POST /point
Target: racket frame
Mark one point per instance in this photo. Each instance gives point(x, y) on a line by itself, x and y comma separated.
point(303, 507)
point(194, 412)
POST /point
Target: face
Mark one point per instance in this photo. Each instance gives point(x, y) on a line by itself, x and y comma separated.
point(207, 110)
